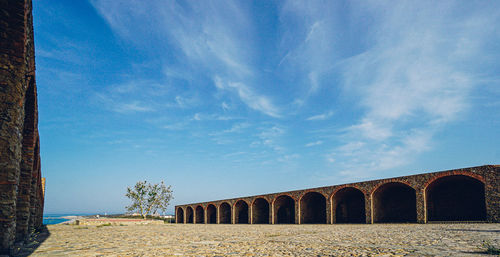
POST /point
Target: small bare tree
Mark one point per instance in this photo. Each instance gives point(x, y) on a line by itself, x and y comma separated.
point(147, 198)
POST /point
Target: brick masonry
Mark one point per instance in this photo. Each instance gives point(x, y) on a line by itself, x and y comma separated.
point(485, 205)
point(21, 190)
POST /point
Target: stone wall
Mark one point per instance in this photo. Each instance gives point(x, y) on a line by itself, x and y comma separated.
point(21, 194)
point(469, 194)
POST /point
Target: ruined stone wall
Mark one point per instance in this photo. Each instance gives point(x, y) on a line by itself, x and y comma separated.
point(377, 193)
point(21, 194)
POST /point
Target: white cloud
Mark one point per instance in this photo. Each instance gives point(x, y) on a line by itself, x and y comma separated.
point(249, 97)
point(330, 158)
point(213, 38)
point(323, 116)
point(399, 72)
point(410, 83)
point(197, 116)
point(176, 126)
point(372, 129)
point(132, 107)
point(123, 106)
point(288, 158)
point(184, 102)
point(311, 44)
point(319, 142)
point(270, 137)
point(237, 127)
point(235, 154)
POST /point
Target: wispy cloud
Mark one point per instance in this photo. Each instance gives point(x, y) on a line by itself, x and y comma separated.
point(288, 158)
point(319, 142)
point(237, 127)
point(176, 126)
point(312, 46)
point(132, 107)
point(411, 82)
point(249, 97)
point(270, 137)
point(143, 96)
point(397, 73)
point(122, 106)
point(323, 116)
point(213, 39)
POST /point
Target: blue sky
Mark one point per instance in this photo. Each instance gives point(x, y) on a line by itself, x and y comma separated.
point(232, 98)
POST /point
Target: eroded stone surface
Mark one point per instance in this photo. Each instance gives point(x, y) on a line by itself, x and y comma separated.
point(21, 191)
point(270, 240)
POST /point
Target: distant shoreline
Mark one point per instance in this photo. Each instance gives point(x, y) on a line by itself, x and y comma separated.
point(71, 219)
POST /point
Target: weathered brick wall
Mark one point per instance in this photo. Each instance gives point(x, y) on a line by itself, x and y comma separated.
point(488, 175)
point(21, 196)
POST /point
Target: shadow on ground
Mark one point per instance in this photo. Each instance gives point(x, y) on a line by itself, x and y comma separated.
point(35, 240)
point(475, 230)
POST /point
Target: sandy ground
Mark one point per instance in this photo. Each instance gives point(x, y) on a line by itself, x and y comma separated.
point(269, 240)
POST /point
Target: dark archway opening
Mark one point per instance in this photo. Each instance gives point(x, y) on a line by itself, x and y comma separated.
point(225, 213)
point(260, 211)
point(200, 219)
point(395, 202)
point(313, 208)
point(189, 214)
point(284, 209)
point(349, 206)
point(241, 212)
point(179, 216)
point(456, 198)
point(211, 214)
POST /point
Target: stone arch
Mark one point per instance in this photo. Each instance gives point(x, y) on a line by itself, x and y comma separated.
point(284, 209)
point(199, 215)
point(224, 213)
point(312, 208)
point(451, 173)
point(179, 215)
point(394, 202)
point(241, 212)
point(456, 198)
point(211, 214)
point(348, 205)
point(189, 214)
point(260, 211)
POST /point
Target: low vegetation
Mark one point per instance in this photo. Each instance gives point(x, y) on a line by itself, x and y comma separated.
point(490, 248)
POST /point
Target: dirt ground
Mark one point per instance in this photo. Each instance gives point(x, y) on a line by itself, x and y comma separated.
point(269, 240)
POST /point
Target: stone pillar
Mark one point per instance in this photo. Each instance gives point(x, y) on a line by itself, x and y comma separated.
point(369, 208)
point(217, 211)
point(492, 194)
point(328, 208)
point(205, 213)
point(297, 211)
point(21, 190)
point(233, 214)
point(41, 197)
point(16, 73)
point(273, 217)
point(421, 206)
point(270, 214)
point(26, 191)
point(34, 194)
point(250, 216)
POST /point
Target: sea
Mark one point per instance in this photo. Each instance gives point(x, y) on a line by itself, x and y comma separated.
point(50, 219)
